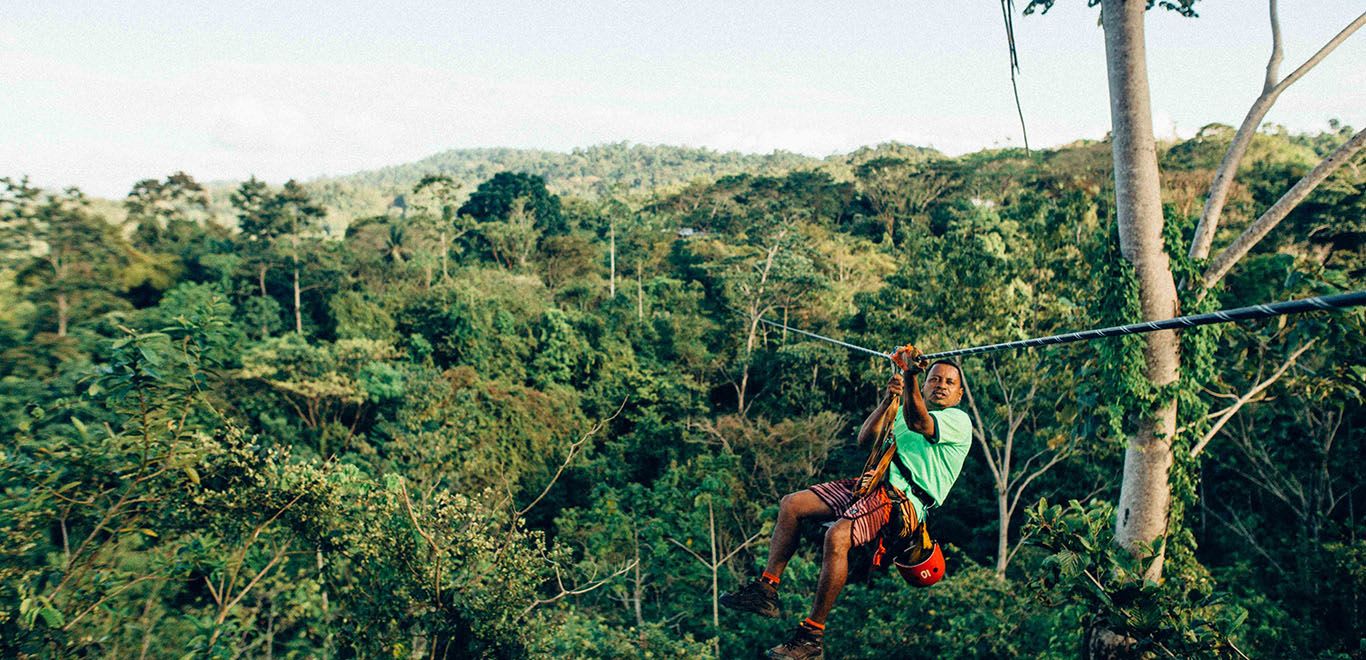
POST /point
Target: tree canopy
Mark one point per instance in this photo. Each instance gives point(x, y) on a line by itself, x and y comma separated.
point(532, 423)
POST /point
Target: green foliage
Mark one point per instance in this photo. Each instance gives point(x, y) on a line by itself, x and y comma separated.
point(1181, 616)
point(583, 172)
point(497, 200)
point(553, 425)
point(971, 614)
point(358, 317)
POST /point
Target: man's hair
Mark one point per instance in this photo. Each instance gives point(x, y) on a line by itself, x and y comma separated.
point(962, 384)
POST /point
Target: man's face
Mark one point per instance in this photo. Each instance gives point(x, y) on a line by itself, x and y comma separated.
point(943, 386)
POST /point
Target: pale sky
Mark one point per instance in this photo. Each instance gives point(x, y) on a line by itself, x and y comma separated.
point(102, 94)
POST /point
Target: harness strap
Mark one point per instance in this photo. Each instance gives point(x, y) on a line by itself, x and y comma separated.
point(919, 493)
point(880, 458)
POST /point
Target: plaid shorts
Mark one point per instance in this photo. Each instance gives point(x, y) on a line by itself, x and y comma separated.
point(869, 514)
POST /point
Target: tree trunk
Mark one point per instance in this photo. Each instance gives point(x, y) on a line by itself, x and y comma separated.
point(444, 251)
point(612, 259)
point(715, 583)
point(294, 243)
point(757, 310)
point(639, 592)
point(261, 278)
point(63, 313)
point(1145, 493)
point(298, 317)
point(1002, 531)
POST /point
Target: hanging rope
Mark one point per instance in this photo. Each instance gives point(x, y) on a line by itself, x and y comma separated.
point(1252, 313)
point(1008, 8)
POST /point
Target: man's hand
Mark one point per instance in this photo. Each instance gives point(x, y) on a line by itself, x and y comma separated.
point(895, 385)
point(912, 357)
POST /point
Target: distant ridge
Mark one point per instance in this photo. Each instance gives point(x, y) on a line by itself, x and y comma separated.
point(621, 166)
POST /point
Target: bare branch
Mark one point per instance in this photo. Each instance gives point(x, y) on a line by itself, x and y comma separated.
point(431, 543)
point(1273, 65)
point(578, 591)
point(690, 551)
point(225, 609)
point(1018, 544)
point(106, 597)
point(979, 432)
point(1249, 537)
point(740, 547)
point(230, 577)
point(1228, 413)
point(573, 450)
point(1019, 490)
point(1270, 478)
point(1273, 216)
point(275, 559)
point(1223, 178)
point(1323, 52)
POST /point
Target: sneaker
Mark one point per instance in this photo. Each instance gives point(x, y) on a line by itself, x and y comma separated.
point(758, 597)
point(802, 643)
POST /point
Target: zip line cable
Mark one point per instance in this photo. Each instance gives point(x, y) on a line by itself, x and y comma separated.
point(824, 338)
point(1252, 313)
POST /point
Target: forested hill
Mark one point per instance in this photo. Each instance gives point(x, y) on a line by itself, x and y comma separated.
point(508, 422)
point(620, 168)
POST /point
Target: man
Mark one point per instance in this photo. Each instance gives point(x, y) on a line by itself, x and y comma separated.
point(932, 438)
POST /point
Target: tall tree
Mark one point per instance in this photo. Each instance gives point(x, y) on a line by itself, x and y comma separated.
point(156, 206)
point(1145, 495)
point(73, 254)
point(258, 223)
point(433, 201)
point(900, 190)
point(19, 202)
point(1143, 513)
point(300, 217)
point(495, 199)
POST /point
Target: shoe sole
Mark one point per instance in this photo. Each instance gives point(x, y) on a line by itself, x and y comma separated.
point(770, 654)
point(773, 613)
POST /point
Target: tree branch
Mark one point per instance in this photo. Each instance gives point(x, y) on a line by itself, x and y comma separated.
point(1273, 216)
point(740, 547)
point(1273, 65)
point(689, 551)
point(579, 591)
point(106, 597)
point(573, 449)
point(1228, 168)
point(1250, 538)
point(1228, 413)
point(431, 543)
point(1019, 490)
point(979, 432)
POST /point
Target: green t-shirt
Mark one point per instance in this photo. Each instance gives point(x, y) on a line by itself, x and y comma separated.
point(935, 462)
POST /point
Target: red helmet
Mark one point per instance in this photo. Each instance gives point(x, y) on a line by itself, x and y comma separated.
point(926, 572)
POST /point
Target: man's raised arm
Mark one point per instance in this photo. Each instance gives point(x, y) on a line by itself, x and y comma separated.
point(915, 412)
point(879, 419)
